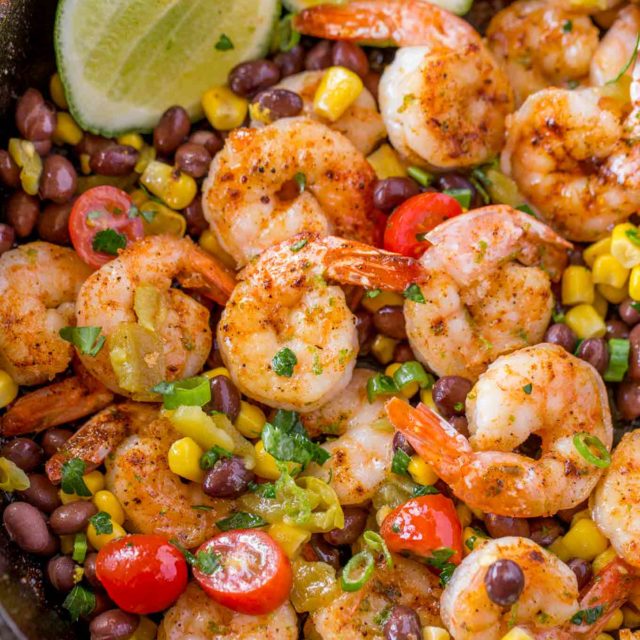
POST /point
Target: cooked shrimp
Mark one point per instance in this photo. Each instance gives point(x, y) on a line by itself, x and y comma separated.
point(361, 457)
point(361, 122)
point(575, 156)
point(354, 615)
point(39, 283)
point(444, 98)
point(542, 390)
point(176, 338)
point(541, 44)
point(251, 198)
point(549, 598)
point(195, 616)
point(487, 289)
point(287, 335)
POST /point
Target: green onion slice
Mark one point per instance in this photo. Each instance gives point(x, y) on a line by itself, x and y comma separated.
point(79, 547)
point(422, 177)
point(583, 443)
point(191, 392)
point(619, 350)
point(463, 196)
point(357, 571)
point(412, 371)
point(380, 385)
point(376, 542)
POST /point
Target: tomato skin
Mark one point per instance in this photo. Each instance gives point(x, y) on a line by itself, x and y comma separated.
point(259, 591)
point(418, 215)
point(113, 204)
point(142, 573)
point(422, 525)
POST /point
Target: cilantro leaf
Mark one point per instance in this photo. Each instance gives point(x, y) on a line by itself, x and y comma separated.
point(224, 43)
point(528, 388)
point(210, 457)
point(440, 560)
point(72, 480)
point(300, 244)
point(87, 339)
point(380, 385)
point(632, 234)
point(79, 602)
point(102, 523)
point(283, 362)
point(207, 562)
point(266, 490)
point(413, 293)
point(567, 26)
point(400, 462)
point(424, 490)
point(241, 520)
point(588, 616)
point(109, 241)
point(372, 293)
point(301, 181)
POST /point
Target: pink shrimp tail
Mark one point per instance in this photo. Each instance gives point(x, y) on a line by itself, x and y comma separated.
point(208, 276)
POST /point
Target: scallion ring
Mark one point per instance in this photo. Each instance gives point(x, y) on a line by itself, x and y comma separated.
point(376, 542)
point(583, 441)
point(357, 571)
point(79, 548)
point(191, 392)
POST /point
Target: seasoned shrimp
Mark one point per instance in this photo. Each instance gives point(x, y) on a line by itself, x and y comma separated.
point(541, 44)
point(251, 198)
point(361, 457)
point(361, 122)
point(355, 615)
point(287, 336)
point(549, 598)
point(195, 616)
point(39, 283)
point(134, 442)
point(487, 289)
point(575, 156)
point(542, 390)
point(172, 337)
point(444, 98)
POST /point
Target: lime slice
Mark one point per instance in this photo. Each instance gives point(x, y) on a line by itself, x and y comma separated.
point(124, 62)
point(298, 5)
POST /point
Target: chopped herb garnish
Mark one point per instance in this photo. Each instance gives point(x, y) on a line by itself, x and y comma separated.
point(380, 385)
point(201, 507)
point(633, 235)
point(458, 406)
point(301, 181)
point(381, 618)
point(422, 177)
point(424, 490)
point(372, 293)
point(619, 351)
point(635, 306)
point(79, 602)
point(631, 60)
point(94, 215)
point(191, 392)
point(567, 27)
point(72, 478)
point(283, 362)
point(376, 543)
point(241, 520)
point(87, 339)
point(588, 616)
point(210, 457)
point(400, 463)
point(102, 523)
point(300, 244)
point(463, 196)
point(266, 490)
point(224, 43)
point(525, 208)
point(109, 241)
point(440, 560)
point(205, 561)
point(585, 443)
point(528, 388)
point(413, 293)
point(80, 547)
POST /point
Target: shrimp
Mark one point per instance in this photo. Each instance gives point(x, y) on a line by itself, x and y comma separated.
point(487, 289)
point(354, 615)
point(251, 198)
point(575, 156)
point(287, 336)
point(444, 99)
point(39, 283)
point(542, 390)
point(361, 457)
point(172, 337)
point(549, 598)
point(541, 44)
point(195, 616)
point(361, 123)
point(134, 442)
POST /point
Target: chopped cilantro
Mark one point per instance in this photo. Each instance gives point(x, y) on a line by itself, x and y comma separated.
point(102, 523)
point(87, 339)
point(109, 241)
point(224, 43)
point(283, 362)
point(72, 478)
point(79, 602)
point(413, 293)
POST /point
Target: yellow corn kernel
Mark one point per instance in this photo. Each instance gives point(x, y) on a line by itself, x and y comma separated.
point(580, 515)
point(260, 113)
point(218, 371)
point(518, 634)
point(464, 514)
point(420, 471)
point(66, 131)
point(426, 397)
point(615, 621)
point(600, 303)
point(194, 423)
point(471, 540)
point(266, 465)
point(634, 283)
point(159, 220)
point(99, 540)
point(383, 299)
point(134, 140)
point(382, 513)
point(250, 420)
point(85, 163)
point(383, 348)
point(223, 108)
point(386, 164)
point(603, 559)
point(176, 188)
point(107, 502)
point(631, 617)
point(290, 538)
point(577, 285)
point(24, 154)
point(607, 270)
point(584, 540)
point(625, 634)
point(209, 242)
point(146, 630)
point(337, 91)
point(585, 322)
point(558, 548)
point(66, 544)
point(605, 294)
point(604, 636)
point(624, 244)
point(56, 90)
point(409, 390)
point(8, 389)
point(435, 633)
point(596, 249)
point(147, 155)
point(184, 459)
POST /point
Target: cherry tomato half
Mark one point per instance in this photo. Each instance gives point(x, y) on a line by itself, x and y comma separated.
point(99, 209)
point(142, 573)
point(415, 217)
point(422, 525)
point(255, 576)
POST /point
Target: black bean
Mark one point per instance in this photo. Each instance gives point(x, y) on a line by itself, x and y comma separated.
point(7, 237)
point(90, 570)
point(576, 257)
point(545, 530)
point(501, 526)
point(53, 439)
point(35, 118)
point(24, 452)
point(628, 312)
point(279, 103)
point(225, 397)
point(22, 211)
point(449, 395)
point(9, 170)
point(59, 179)
point(27, 527)
point(72, 518)
point(400, 442)
point(228, 478)
point(350, 55)
point(561, 335)
point(456, 181)
point(389, 320)
point(403, 623)
point(114, 624)
point(92, 144)
point(617, 329)
point(53, 223)
point(194, 215)
point(403, 353)
point(460, 424)
point(355, 519)
point(628, 399)
point(114, 160)
point(504, 582)
point(583, 571)
point(290, 62)
point(364, 326)
point(42, 147)
point(566, 515)
point(324, 552)
point(319, 56)
point(634, 356)
point(391, 192)
point(247, 78)
point(193, 159)
point(171, 130)
point(595, 352)
point(372, 83)
point(210, 140)
point(103, 603)
point(42, 493)
point(61, 573)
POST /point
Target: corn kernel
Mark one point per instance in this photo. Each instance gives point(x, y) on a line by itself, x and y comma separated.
point(558, 548)
point(25, 156)
point(266, 465)
point(66, 131)
point(409, 390)
point(634, 283)
point(209, 242)
point(471, 540)
point(85, 163)
point(624, 634)
point(596, 249)
point(8, 389)
point(382, 513)
point(383, 348)
point(518, 634)
point(218, 371)
point(147, 155)
point(134, 140)
point(337, 91)
point(584, 540)
point(386, 164)
point(260, 113)
point(56, 90)
point(600, 303)
point(435, 633)
point(615, 621)
point(580, 515)
point(223, 108)
point(194, 423)
point(577, 285)
point(607, 270)
point(585, 322)
point(464, 514)
point(99, 540)
point(420, 471)
point(603, 559)
point(631, 617)
point(146, 630)
point(176, 188)
point(66, 544)
point(623, 247)
point(604, 636)
point(426, 397)
point(184, 459)
point(159, 220)
point(383, 299)
point(250, 420)
point(289, 537)
point(107, 502)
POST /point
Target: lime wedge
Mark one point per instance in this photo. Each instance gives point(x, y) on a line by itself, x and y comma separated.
point(124, 62)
